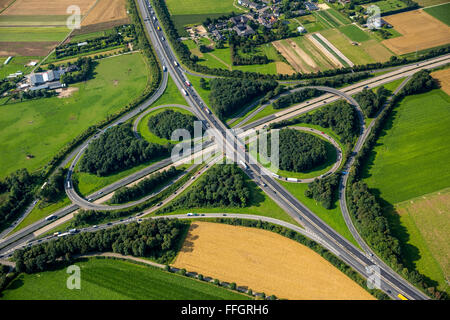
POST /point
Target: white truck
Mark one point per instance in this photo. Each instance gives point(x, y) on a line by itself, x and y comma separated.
point(175, 63)
point(164, 68)
point(292, 179)
point(184, 92)
point(242, 163)
point(50, 217)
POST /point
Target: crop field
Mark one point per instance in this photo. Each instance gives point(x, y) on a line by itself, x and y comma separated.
point(114, 280)
point(46, 7)
point(427, 219)
point(281, 266)
point(427, 3)
point(411, 157)
point(443, 77)
point(37, 20)
point(311, 23)
point(23, 34)
point(441, 12)
point(331, 18)
point(107, 12)
point(419, 32)
point(46, 124)
point(368, 51)
point(302, 55)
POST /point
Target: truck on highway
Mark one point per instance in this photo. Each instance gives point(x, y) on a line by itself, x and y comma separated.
point(187, 83)
point(190, 214)
point(275, 175)
point(184, 92)
point(68, 184)
point(175, 63)
point(207, 110)
point(158, 27)
point(50, 217)
point(292, 179)
point(164, 68)
point(402, 297)
point(243, 164)
point(73, 231)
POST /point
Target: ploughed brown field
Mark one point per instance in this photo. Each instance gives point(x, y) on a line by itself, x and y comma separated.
point(28, 48)
point(419, 31)
point(264, 262)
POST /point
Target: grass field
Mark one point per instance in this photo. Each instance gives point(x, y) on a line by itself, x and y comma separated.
point(411, 157)
point(16, 64)
point(389, 5)
point(260, 204)
point(427, 3)
point(187, 7)
point(114, 280)
point(45, 125)
point(354, 33)
point(428, 223)
point(281, 266)
point(29, 20)
point(22, 34)
point(145, 132)
point(441, 12)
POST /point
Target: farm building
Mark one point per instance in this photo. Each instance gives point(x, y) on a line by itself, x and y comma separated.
point(250, 4)
point(311, 6)
point(43, 77)
point(243, 30)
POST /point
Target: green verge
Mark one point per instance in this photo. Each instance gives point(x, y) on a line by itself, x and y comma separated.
point(115, 280)
point(441, 12)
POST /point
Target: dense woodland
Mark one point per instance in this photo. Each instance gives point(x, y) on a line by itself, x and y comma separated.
point(17, 190)
point(296, 97)
point(371, 102)
point(221, 186)
point(229, 95)
point(157, 239)
point(165, 123)
point(339, 116)
point(420, 82)
point(145, 186)
point(324, 190)
point(118, 149)
point(54, 188)
point(300, 151)
point(85, 71)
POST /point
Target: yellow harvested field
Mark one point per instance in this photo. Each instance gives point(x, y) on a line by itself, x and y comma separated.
point(284, 68)
point(46, 7)
point(264, 262)
point(106, 11)
point(443, 77)
point(431, 216)
point(419, 31)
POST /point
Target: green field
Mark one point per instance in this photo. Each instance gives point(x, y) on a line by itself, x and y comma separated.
point(411, 157)
point(441, 12)
point(187, 7)
point(354, 33)
point(115, 280)
point(145, 132)
point(38, 20)
point(33, 34)
point(389, 5)
point(46, 125)
point(311, 23)
point(17, 63)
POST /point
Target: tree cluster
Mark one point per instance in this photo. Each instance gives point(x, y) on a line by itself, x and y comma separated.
point(296, 97)
point(85, 66)
point(54, 188)
point(229, 95)
point(420, 82)
point(157, 239)
point(300, 151)
point(324, 190)
point(221, 186)
point(165, 123)
point(19, 187)
point(118, 149)
point(144, 187)
point(339, 116)
point(371, 102)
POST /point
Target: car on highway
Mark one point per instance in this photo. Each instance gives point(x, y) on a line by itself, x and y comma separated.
point(109, 223)
point(189, 214)
point(224, 214)
point(160, 204)
point(95, 226)
point(90, 199)
point(101, 192)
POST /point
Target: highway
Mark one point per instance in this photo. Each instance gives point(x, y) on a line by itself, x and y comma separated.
point(392, 283)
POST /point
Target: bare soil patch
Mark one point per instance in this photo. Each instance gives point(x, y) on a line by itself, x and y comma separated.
point(284, 68)
point(27, 48)
point(265, 262)
point(66, 92)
